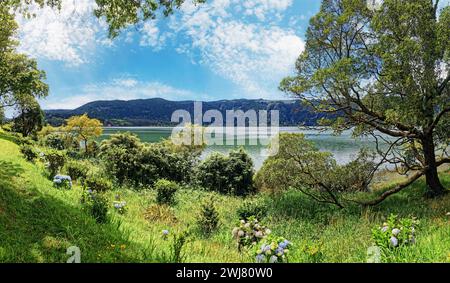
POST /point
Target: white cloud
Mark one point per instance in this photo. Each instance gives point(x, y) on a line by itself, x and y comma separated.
point(119, 89)
point(68, 35)
point(254, 54)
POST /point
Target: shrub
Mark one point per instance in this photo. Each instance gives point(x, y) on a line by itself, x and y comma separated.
point(232, 174)
point(315, 173)
point(62, 182)
point(160, 213)
point(208, 220)
point(55, 141)
point(120, 154)
point(249, 233)
point(140, 164)
point(165, 192)
point(98, 183)
point(55, 160)
point(255, 208)
point(28, 152)
point(96, 204)
point(77, 169)
point(395, 233)
point(273, 250)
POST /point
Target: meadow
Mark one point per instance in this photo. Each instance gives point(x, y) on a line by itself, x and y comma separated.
point(38, 222)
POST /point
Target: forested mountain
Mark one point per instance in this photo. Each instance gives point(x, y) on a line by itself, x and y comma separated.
point(158, 111)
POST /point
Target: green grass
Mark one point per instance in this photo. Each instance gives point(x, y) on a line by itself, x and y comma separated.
point(39, 222)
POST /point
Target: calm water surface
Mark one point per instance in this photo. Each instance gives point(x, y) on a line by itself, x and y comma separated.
point(344, 147)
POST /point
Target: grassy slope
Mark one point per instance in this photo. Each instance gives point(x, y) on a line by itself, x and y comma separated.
point(38, 223)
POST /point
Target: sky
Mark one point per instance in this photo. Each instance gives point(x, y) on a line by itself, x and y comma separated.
point(224, 49)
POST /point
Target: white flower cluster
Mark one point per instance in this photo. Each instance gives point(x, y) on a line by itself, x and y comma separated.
point(249, 232)
point(396, 239)
point(62, 181)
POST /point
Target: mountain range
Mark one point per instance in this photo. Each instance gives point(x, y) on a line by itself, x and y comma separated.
point(158, 111)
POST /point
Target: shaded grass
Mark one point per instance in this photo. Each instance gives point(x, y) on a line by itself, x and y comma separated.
point(38, 223)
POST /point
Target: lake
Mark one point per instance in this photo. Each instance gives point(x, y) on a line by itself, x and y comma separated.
point(343, 147)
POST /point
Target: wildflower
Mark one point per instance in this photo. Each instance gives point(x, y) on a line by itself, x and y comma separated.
point(241, 233)
point(273, 259)
point(268, 231)
point(260, 258)
point(395, 232)
point(279, 251)
point(259, 234)
point(394, 241)
point(165, 232)
point(384, 229)
point(235, 232)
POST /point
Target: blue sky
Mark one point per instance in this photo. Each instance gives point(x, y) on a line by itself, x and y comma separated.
point(222, 50)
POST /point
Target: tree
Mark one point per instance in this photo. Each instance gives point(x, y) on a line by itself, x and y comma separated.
point(20, 78)
point(386, 73)
point(30, 119)
point(313, 172)
point(84, 128)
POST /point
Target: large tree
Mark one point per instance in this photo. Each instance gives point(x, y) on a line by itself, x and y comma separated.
point(20, 78)
point(385, 71)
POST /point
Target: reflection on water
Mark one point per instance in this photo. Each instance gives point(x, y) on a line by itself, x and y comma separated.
point(344, 147)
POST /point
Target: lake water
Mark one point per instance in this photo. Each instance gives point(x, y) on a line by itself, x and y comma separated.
point(343, 147)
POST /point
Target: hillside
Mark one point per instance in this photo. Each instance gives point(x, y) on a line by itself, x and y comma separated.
point(39, 222)
point(158, 111)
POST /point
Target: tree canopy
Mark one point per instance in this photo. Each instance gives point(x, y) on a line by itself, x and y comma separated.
point(386, 72)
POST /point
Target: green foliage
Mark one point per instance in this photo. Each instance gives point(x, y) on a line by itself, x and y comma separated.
point(208, 221)
point(30, 119)
point(28, 152)
point(273, 250)
point(232, 174)
point(313, 172)
point(379, 69)
point(54, 140)
point(249, 233)
point(165, 192)
point(78, 169)
point(96, 204)
point(252, 208)
point(54, 161)
point(395, 233)
point(130, 161)
point(97, 182)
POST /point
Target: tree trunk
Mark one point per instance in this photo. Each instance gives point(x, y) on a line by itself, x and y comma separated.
point(434, 186)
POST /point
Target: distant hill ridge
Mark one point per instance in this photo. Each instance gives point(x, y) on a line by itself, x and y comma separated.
point(158, 111)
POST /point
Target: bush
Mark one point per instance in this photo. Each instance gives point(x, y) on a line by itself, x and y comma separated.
point(208, 221)
point(55, 160)
point(249, 233)
point(255, 208)
point(55, 141)
point(395, 233)
point(77, 169)
point(130, 161)
point(232, 174)
point(96, 204)
point(62, 182)
point(28, 152)
point(98, 183)
point(165, 192)
point(273, 250)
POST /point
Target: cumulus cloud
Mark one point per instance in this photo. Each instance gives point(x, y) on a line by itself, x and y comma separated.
point(254, 54)
point(123, 88)
point(69, 35)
